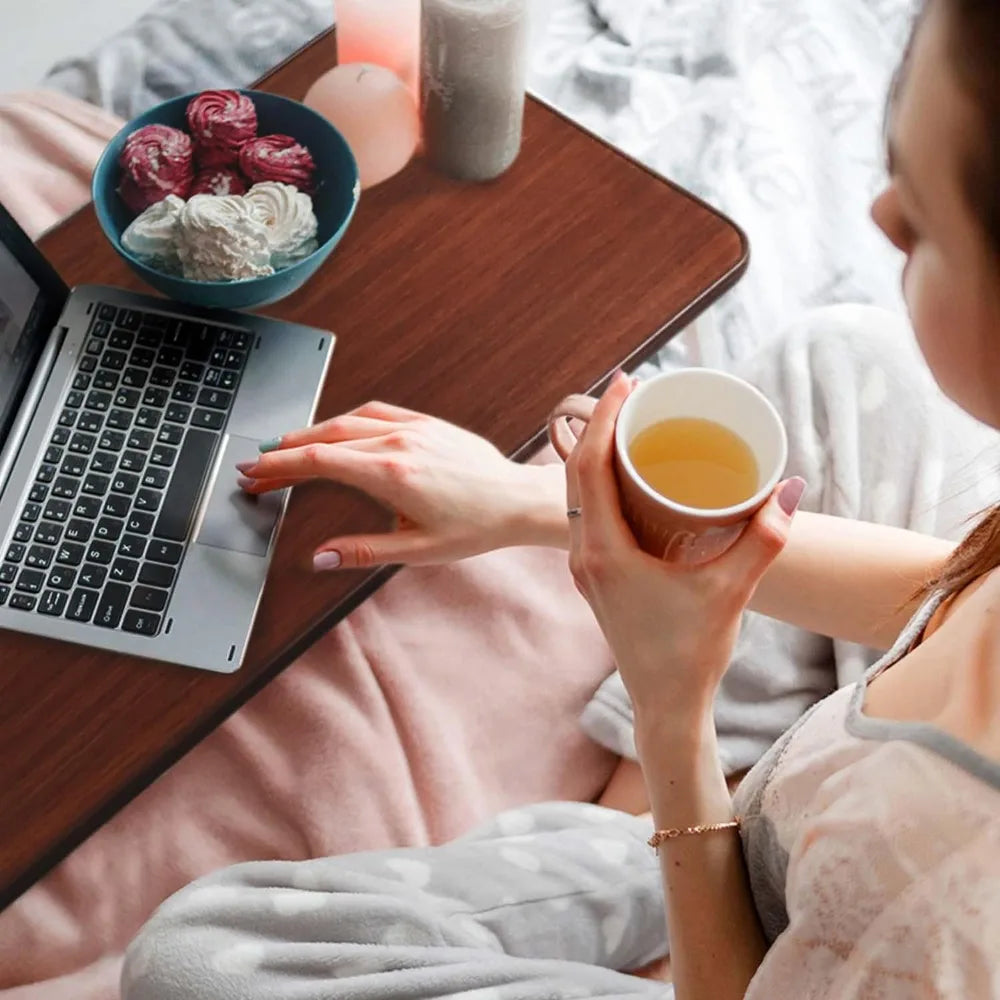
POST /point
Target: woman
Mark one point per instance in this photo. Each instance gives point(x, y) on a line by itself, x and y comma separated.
point(870, 861)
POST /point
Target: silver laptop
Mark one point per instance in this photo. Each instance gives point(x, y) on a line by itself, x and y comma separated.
point(121, 420)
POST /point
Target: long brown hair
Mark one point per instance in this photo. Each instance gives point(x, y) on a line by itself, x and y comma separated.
point(973, 31)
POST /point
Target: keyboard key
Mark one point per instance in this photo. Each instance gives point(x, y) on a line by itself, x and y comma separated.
point(211, 420)
point(48, 533)
point(134, 378)
point(46, 473)
point(93, 576)
point(241, 339)
point(87, 363)
point(15, 551)
point(94, 346)
point(4, 594)
point(89, 422)
point(141, 622)
point(120, 420)
point(117, 505)
point(199, 342)
point(121, 340)
point(178, 412)
point(81, 605)
point(67, 418)
point(161, 322)
point(115, 360)
point(130, 319)
point(22, 533)
point(155, 478)
point(132, 461)
point(31, 581)
point(62, 577)
point(125, 482)
point(170, 434)
point(105, 379)
point(100, 329)
point(38, 492)
point(78, 530)
point(165, 552)
point(109, 529)
point(185, 392)
point(82, 444)
point(132, 546)
point(74, 399)
point(234, 360)
point(81, 381)
point(142, 357)
point(171, 357)
point(104, 462)
point(96, 485)
point(191, 371)
point(98, 400)
point(60, 435)
point(140, 523)
point(147, 418)
point(149, 598)
point(154, 396)
point(22, 602)
point(162, 376)
point(157, 575)
point(124, 570)
point(107, 312)
point(65, 487)
point(38, 557)
point(101, 553)
point(148, 337)
point(8, 573)
point(112, 605)
point(148, 500)
point(57, 510)
point(111, 441)
point(140, 439)
point(31, 512)
point(87, 506)
point(53, 602)
point(53, 455)
point(215, 399)
point(162, 455)
point(70, 554)
point(127, 398)
point(185, 487)
point(73, 465)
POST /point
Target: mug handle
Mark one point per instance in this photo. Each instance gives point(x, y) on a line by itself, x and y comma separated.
point(561, 436)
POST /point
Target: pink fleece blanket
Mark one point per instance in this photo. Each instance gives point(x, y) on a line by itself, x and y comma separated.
point(451, 694)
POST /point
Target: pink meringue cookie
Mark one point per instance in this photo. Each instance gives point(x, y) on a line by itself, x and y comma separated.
point(156, 160)
point(219, 180)
point(221, 121)
point(278, 158)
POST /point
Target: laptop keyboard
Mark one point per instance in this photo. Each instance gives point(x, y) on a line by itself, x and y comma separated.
point(103, 532)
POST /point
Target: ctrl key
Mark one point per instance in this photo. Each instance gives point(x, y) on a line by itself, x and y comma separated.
point(22, 602)
point(141, 622)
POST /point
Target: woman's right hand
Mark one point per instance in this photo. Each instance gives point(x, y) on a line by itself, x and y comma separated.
point(454, 494)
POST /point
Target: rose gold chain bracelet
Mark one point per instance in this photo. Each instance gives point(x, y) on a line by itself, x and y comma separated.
point(662, 835)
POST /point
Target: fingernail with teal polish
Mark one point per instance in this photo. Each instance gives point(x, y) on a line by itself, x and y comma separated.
point(326, 560)
point(271, 444)
point(244, 466)
point(245, 483)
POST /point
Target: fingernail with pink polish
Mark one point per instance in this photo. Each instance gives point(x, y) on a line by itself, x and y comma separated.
point(791, 495)
point(326, 560)
point(244, 466)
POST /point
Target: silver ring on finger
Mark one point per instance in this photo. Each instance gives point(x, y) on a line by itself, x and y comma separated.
point(574, 512)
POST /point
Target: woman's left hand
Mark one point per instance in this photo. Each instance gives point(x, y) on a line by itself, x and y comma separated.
point(671, 626)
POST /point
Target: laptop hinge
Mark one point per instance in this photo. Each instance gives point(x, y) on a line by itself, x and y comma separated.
point(26, 412)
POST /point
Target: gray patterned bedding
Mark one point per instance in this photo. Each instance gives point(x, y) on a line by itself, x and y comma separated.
point(770, 110)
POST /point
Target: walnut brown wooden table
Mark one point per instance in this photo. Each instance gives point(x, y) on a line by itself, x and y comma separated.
point(481, 304)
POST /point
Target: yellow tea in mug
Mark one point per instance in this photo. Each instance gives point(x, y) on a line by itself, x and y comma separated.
point(695, 462)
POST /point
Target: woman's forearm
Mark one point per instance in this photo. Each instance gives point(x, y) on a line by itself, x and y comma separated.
point(847, 579)
point(716, 942)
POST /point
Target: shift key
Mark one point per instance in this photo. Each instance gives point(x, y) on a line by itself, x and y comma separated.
point(184, 492)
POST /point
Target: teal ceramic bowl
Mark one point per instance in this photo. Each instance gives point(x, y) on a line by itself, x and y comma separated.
point(335, 199)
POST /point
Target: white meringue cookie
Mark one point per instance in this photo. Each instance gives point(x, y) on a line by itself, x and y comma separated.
point(152, 235)
point(288, 215)
point(220, 239)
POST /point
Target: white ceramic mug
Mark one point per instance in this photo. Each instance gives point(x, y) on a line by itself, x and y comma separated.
point(663, 527)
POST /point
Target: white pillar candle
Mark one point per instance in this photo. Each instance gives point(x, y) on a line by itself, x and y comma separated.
point(473, 71)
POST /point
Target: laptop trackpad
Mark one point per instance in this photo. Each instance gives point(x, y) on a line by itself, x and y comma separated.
point(233, 520)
